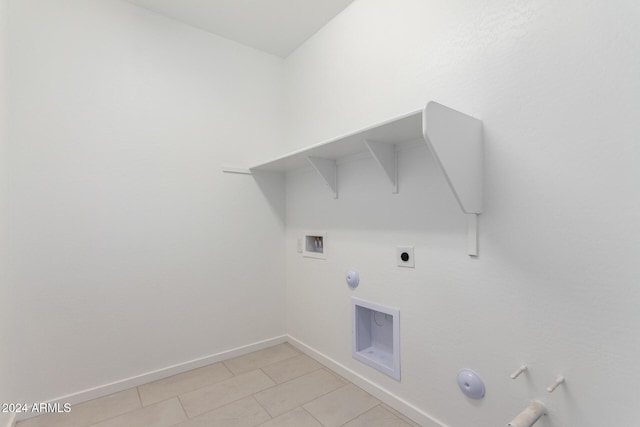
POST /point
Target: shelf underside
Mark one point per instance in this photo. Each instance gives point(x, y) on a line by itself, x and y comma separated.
point(404, 129)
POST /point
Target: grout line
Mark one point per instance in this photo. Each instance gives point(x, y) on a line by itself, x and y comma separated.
point(187, 391)
point(310, 414)
point(379, 392)
point(124, 413)
point(269, 376)
point(302, 404)
point(115, 416)
point(292, 378)
point(139, 397)
point(184, 411)
point(337, 375)
point(182, 405)
point(359, 415)
point(275, 384)
point(398, 414)
point(324, 394)
point(229, 403)
point(253, 396)
point(213, 409)
point(300, 376)
point(296, 351)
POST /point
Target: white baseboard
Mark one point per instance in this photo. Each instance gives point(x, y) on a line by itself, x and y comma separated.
point(380, 393)
point(124, 384)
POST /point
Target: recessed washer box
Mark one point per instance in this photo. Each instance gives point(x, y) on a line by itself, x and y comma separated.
point(315, 244)
point(376, 336)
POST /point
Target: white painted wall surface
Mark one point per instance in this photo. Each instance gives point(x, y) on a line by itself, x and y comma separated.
point(555, 286)
point(6, 309)
point(132, 251)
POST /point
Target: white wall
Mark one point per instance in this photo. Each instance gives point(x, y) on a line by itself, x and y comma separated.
point(126, 237)
point(131, 250)
point(5, 306)
point(555, 286)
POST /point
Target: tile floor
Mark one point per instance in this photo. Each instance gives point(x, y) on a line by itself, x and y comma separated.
point(277, 386)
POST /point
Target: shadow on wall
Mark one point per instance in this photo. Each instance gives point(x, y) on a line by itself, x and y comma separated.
point(424, 202)
point(272, 186)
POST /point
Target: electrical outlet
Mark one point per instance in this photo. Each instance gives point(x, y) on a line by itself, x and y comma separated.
point(404, 256)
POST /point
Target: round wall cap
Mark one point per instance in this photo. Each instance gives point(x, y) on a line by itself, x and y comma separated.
point(471, 384)
point(353, 278)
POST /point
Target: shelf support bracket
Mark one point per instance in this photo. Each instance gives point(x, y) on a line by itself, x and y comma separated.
point(472, 234)
point(386, 155)
point(455, 140)
point(231, 169)
point(328, 170)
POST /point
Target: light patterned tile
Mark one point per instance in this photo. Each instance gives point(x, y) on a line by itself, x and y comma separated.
point(260, 358)
point(377, 417)
point(286, 396)
point(181, 383)
point(211, 397)
point(281, 380)
point(339, 406)
point(164, 414)
point(289, 369)
point(241, 413)
point(296, 418)
point(90, 412)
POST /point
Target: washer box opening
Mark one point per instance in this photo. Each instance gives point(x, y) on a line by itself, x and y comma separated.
point(376, 336)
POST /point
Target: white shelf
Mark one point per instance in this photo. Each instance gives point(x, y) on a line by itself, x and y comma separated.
point(454, 139)
point(401, 129)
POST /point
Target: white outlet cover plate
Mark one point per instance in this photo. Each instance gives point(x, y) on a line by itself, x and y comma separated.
point(410, 263)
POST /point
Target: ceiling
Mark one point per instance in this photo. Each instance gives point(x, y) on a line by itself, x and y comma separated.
point(274, 26)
